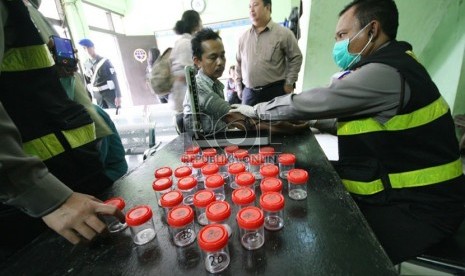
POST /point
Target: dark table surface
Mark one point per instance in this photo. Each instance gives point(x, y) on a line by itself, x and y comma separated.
point(323, 235)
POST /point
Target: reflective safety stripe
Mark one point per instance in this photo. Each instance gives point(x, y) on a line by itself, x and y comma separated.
point(410, 179)
point(26, 58)
point(417, 118)
point(44, 147)
point(49, 146)
point(80, 136)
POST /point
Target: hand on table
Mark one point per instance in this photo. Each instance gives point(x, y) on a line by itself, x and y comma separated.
point(77, 218)
point(245, 110)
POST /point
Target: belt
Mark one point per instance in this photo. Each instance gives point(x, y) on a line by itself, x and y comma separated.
point(276, 83)
point(100, 88)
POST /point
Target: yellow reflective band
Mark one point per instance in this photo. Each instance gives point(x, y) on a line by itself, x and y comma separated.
point(412, 54)
point(427, 176)
point(363, 188)
point(44, 147)
point(26, 58)
point(410, 179)
point(417, 118)
point(80, 136)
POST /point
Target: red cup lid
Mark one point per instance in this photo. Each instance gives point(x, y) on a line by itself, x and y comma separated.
point(182, 171)
point(214, 181)
point(187, 183)
point(187, 158)
point(269, 170)
point(255, 159)
point(193, 149)
point(199, 163)
point(297, 176)
point(162, 184)
point(212, 237)
point(180, 216)
point(250, 218)
point(221, 160)
point(243, 196)
point(231, 149)
point(271, 184)
point(163, 172)
point(241, 153)
point(218, 211)
point(210, 152)
point(266, 151)
point(116, 201)
point(171, 199)
point(138, 215)
point(210, 169)
point(245, 179)
point(236, 168)
point(272, 201)
point(203, 198)
point(286, 158)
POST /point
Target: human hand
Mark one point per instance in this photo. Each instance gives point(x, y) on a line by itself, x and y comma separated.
point(77, 217)
point(246, 110)
point(118, 101)
point(63, 71)
point(288, 88)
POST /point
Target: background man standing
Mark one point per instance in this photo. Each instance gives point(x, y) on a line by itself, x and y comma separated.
point(268, 58)
point(101, 77)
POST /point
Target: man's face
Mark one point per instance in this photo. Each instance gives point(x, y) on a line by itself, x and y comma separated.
point(347, 27)
point(213, 58)
point(258, 11)
point(89, 50)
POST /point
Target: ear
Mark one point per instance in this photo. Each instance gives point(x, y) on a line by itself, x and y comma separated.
point(197, 61)
point(375, 29)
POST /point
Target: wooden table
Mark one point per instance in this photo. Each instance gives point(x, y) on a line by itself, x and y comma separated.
point(323, 235)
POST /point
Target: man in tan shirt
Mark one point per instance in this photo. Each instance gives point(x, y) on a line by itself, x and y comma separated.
point(268, 58)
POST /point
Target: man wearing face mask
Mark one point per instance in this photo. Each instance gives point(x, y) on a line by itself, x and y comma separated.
point(399, 157)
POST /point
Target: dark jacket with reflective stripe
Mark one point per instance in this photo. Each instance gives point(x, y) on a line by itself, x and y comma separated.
point(39, 106)
point(414, 157)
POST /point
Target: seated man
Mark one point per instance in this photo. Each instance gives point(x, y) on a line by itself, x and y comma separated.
point(209, 58)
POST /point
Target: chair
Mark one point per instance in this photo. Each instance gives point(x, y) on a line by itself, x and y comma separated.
point(448, 256)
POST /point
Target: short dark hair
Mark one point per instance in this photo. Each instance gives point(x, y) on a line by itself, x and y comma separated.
point(384, 11)
point(189, 21)
point(201, 36)
point(267, 2)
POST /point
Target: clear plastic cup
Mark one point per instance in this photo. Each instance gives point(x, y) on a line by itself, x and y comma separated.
point(197, 166)
point(286, 163)
point(207, 170)
point(219, 212)
point(213, 240)
point(215, 183)
point(163, 172)
point(245, 179)
point(243, 197)
point(188, 186)
point(272, 204)
point(113, 224)
point(201, 201)
point(229, 151)
point(269, 170)
point(233, 170)
point(297, 179)
point(181, 172)
point(222, 161)
point(170, 200)
point(193, 149)
point(255, 163)
point(251, 231)
point(181, 222)
point(268, 154)
point(140, 221)
point(271, 184)
point(161, 186)
point(242, 156)
point(209, 154)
